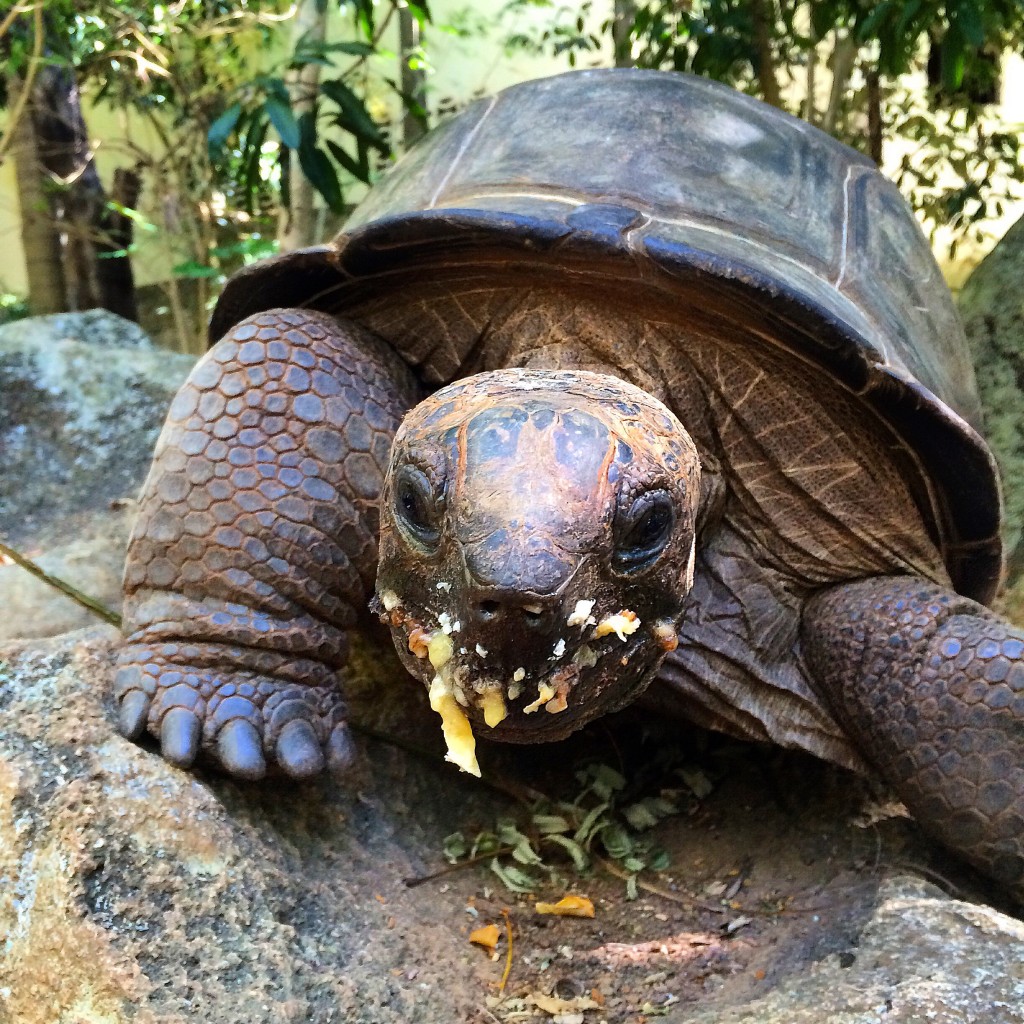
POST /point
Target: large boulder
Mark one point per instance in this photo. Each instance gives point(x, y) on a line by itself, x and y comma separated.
point(992, 308)
point(82, 399)
point(132, 891)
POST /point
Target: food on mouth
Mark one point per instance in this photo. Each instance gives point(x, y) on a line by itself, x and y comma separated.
point(581, 614)
point(544, 694)
point(622, 624)
point(492, 703)
point(419, 639)
point(458, 734)
point(584, 657)
point(666, 635)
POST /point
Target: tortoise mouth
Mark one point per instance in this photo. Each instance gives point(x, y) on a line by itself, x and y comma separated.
point(549, 688)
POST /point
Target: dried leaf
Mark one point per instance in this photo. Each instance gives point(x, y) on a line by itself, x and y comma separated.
point(487, 936)
point(553, 1005)
point(568, 906)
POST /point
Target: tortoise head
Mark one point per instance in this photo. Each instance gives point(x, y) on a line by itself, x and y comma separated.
point(537, 545)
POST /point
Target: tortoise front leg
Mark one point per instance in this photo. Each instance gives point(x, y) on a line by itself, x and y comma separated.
point(256, 543)
point(930, 686)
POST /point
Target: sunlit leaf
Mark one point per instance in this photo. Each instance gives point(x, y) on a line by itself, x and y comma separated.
point(218, 132)
point(283, 120)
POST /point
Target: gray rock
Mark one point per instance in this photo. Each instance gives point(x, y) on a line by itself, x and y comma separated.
point(920, 957)
point(82, 399)
point(132, 891)
point(992, 308)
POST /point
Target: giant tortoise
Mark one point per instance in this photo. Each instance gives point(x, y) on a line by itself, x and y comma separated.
point(619, 380)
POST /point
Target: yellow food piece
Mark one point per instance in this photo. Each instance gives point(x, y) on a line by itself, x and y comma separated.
point(558, 703)
point(493, 705)
point(458, 734)
point(487, 936)
point(544, 694)
point(621, 624)
point(568, 906)
point(440, 650)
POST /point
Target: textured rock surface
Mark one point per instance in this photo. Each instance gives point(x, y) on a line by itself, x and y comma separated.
point(992, 308)
point(82, 398)
point(131, 891)
point(920, 957)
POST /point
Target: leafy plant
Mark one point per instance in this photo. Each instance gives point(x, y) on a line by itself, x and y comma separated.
point(606, 818)
point(12, 307)
point(846, 66)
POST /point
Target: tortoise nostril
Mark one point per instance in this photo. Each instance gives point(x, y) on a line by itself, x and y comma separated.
point(533, 613)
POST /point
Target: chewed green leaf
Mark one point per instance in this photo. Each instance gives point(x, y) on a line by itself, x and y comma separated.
point(580, 859)
point(700, 785)
point(455, 847)
point(485, 842)
point(549, 824)
point(616, 841)
point(591, 824)
point(512, 877)
point(524, 853)
point(658, 860)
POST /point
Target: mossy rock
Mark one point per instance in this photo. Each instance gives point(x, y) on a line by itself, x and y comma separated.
point(992, 307)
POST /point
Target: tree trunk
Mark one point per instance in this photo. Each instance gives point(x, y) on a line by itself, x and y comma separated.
point(298, 221)
point(874, 89)
point(622, 32)
point(413, 79)
point(843, 56)
point(763, 14)
point(116, 279)
point(79, 201)
point(40, 239)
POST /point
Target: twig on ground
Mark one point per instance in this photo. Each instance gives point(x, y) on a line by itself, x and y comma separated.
point(89, 603)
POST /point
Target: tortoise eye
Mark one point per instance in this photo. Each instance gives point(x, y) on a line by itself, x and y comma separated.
point(416, 506)
point(643, 531)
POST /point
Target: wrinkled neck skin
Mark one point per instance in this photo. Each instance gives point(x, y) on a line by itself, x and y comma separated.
point(537, 546)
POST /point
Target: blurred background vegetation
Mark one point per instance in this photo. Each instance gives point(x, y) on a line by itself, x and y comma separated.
point(150, 149)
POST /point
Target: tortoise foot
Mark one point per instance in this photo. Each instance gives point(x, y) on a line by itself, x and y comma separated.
point(247, 723)
point(931, 687)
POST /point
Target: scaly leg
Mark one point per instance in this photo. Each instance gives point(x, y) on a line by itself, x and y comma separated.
point(256, 544)
point(931, 687)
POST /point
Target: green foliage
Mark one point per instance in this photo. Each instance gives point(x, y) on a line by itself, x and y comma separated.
point(816, 59)
point(607, 817)
point(12, 307)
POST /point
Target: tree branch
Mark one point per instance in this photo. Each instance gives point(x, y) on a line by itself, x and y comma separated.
point(763, 14)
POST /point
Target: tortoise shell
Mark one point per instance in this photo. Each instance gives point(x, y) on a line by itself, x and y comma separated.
point(668, 188)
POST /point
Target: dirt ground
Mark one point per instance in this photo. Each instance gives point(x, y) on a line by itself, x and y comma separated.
point(773, 866)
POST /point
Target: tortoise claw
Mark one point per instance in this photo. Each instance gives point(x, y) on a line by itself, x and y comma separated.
point(179, 737)
point(341, 751)
point(298, 750)
point(240, 748)
point(133, 714)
